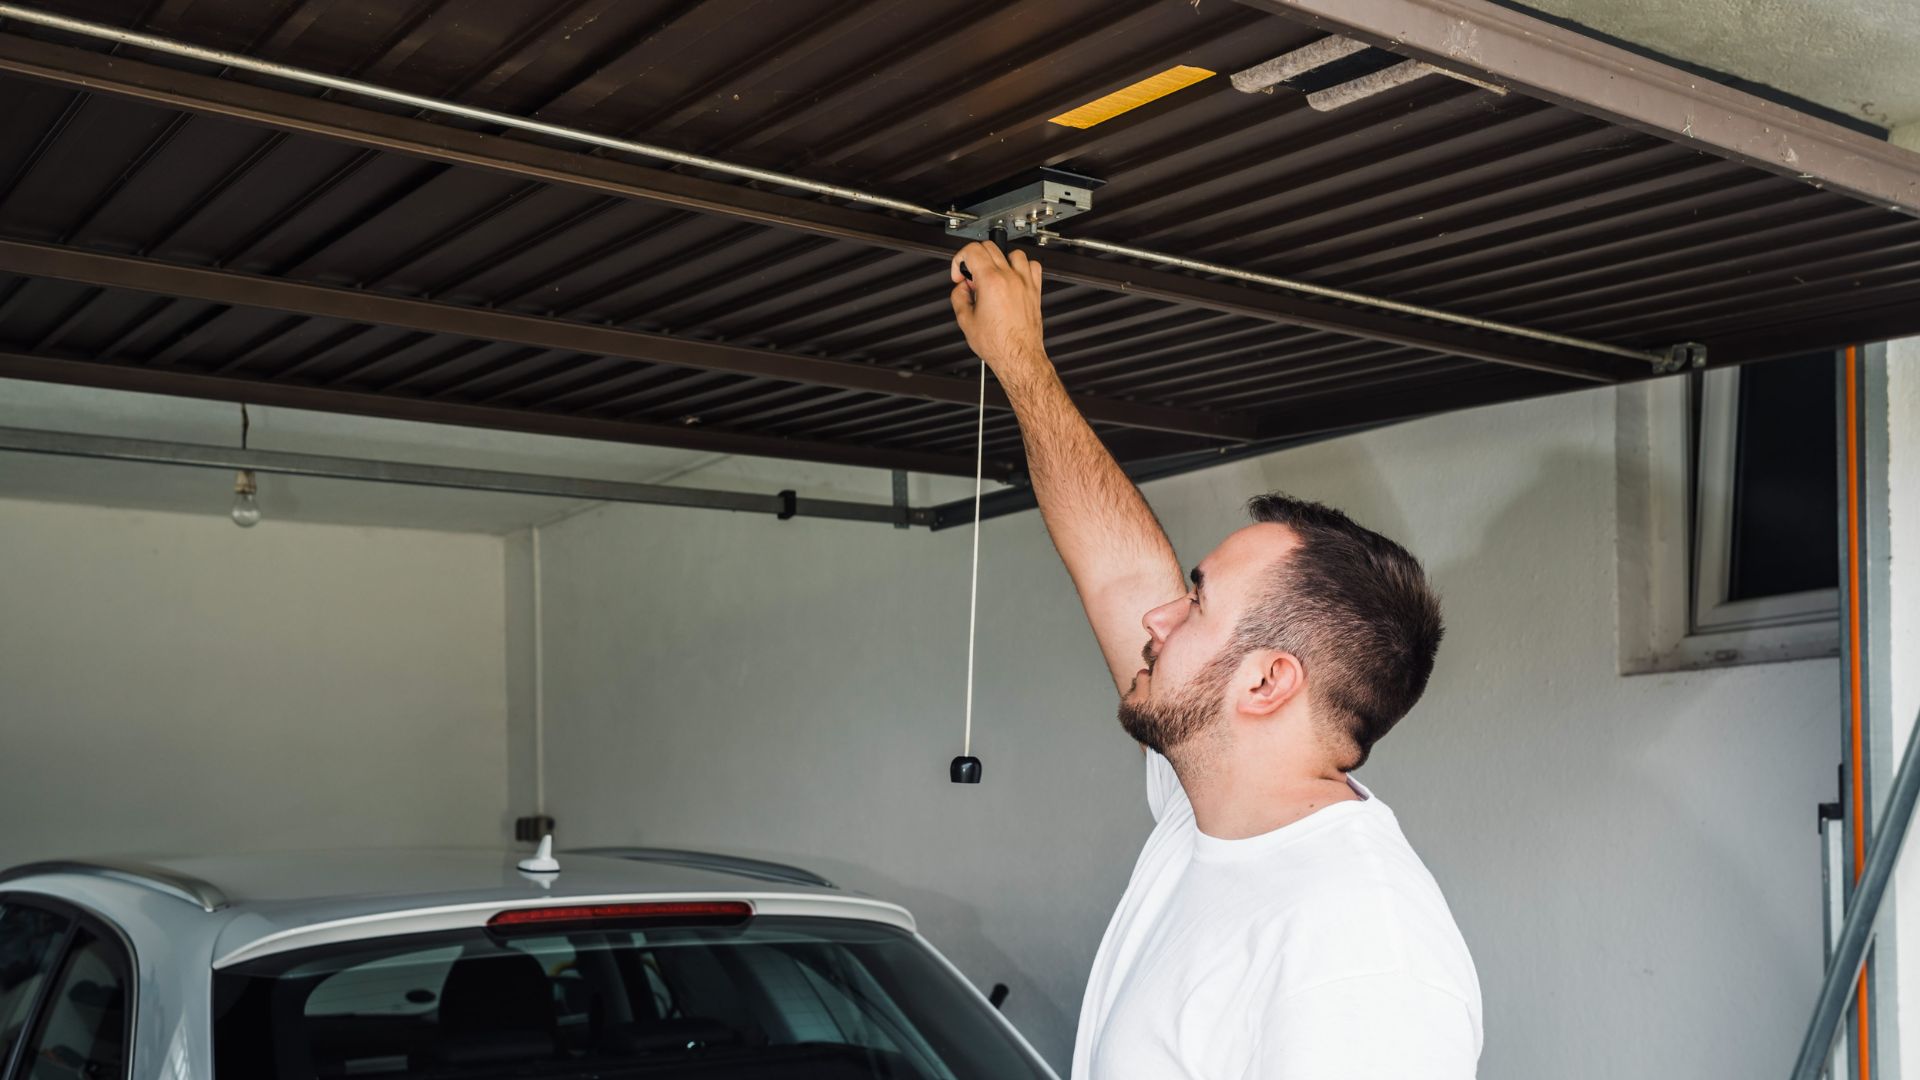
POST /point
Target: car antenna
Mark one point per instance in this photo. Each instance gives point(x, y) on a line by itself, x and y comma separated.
point(542, 860)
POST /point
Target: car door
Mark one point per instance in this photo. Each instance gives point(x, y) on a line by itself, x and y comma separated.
point(66, 993)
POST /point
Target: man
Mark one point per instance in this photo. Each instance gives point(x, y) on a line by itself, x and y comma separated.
point(1277, 924)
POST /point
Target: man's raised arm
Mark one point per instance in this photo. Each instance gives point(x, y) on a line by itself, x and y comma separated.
point(1118, 555)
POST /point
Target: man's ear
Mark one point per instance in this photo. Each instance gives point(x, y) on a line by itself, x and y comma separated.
point(1270, 679)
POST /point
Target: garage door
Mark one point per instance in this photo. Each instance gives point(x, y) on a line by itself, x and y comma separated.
point(1581, 216)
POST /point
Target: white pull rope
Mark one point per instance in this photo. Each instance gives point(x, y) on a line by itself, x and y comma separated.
point(973, 590)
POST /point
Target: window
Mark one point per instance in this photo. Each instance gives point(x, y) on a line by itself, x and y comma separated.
point(1766, 496)
point(1728, 502)
point(771, 999)
point(82, 1032)
point(30, 938)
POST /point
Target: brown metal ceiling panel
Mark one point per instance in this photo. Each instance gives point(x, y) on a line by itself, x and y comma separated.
point(752, 318)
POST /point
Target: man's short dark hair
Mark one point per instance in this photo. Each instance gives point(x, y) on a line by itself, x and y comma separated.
point(1357, 611)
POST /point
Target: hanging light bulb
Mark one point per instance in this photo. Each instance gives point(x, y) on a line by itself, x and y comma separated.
point(246, 502)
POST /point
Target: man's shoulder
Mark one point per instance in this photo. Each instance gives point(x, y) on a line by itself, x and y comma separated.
point(1362, 916)
point(1365, 868)
point(1369, 844)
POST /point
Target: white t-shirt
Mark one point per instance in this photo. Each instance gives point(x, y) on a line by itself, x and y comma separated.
point(1322, 950)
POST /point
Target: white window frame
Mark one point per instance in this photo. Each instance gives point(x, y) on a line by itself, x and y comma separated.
point(1666, 623)
point(1713, 556)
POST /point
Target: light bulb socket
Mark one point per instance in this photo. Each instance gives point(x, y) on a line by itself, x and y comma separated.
point(246, 501)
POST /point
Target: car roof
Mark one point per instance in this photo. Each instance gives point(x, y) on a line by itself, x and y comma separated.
point(272, 902)
point(399, 874)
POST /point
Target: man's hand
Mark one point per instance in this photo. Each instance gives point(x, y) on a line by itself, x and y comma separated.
point(999, 309)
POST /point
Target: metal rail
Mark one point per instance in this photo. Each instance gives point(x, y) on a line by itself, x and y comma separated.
point(416, 101)
point(1198, 266)
point(259, 392)
point(565, 335)
point(783, 504)
point(1856, 933)
point(1659, 360)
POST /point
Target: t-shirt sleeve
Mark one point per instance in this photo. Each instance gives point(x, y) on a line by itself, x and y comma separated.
point(1389, 1026)
point(1164, 793)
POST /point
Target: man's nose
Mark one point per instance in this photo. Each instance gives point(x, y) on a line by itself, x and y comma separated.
point(1161, 621)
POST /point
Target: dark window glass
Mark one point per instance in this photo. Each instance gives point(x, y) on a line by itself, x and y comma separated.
point(774, 998)
point(28, 937)
point(83, 1029)
point(1785, 491)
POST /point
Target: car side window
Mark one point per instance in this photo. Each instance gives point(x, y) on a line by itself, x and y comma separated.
point(82, 1031)
point(29, 938)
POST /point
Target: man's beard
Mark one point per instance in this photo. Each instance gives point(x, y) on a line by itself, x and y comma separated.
point(1164, 726)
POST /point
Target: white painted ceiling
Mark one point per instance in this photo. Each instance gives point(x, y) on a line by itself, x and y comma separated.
point(1860, 57)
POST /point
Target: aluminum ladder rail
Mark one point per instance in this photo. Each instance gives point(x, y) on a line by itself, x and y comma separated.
point(1856, 932)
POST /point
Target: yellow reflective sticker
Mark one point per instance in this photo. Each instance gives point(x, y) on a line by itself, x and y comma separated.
point(1151, 88)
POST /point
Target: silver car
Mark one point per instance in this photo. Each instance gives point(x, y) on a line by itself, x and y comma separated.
point(622, 963)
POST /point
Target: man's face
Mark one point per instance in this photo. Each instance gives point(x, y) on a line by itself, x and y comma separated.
point(1181, 690)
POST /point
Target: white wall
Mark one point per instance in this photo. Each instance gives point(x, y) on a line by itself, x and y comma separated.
point(1903, 505)
point(1632, 860)
point(171, 683)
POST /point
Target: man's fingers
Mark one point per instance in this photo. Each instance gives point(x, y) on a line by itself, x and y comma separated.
point(962, 300)
point(983, 255)
point(1025, 265)
point(975, 257)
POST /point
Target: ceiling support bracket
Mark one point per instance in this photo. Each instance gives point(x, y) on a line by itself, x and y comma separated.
point(900, 501)
point(1682, 357)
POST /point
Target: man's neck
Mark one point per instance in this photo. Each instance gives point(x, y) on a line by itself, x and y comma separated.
point(1238, 795)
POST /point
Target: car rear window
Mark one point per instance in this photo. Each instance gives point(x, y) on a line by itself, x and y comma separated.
point(28, 940)
point(771, 998)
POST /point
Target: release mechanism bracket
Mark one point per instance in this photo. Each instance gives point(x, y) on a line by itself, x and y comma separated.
point(1023, 207)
